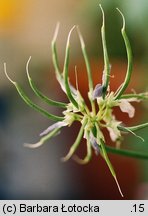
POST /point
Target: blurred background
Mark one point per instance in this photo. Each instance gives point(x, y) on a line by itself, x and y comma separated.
point(26, 29)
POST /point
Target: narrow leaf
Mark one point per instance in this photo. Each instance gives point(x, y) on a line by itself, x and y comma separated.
point(126, 153)
point(39, 94)
point(43, 139)
point(140, 96)
point(76, 143)
point(106, 158)
point(133, 128)
point(88, 69)
point(106, 72)
point(129, 57)
point(54, 54)
point(65, 71)
point(88, 155)
point(29, 102)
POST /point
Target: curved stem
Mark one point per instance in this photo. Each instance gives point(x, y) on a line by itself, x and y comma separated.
point(129, 57)
point(42, 140)
point(76, 143)
point(88, 155)
point(65, 71)
point(39, 93)
point(133, 128)
point(29, 102)
point(54, 54)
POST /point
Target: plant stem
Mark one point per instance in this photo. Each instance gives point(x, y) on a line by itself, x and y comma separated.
point(126, 153)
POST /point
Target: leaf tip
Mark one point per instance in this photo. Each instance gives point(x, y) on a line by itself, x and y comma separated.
point(8, 77)
point(56, 32)
point(27, 67)
point(102, 15)
point(123, 27)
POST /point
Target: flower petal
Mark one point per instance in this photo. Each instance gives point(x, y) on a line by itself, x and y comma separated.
point(72, 88)
point(113, 135)
point(94, 143)
point(114, 132)
point(97, 91)
point(53, 126)
point(126, 107)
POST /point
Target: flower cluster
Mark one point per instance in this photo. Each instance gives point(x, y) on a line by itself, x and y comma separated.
point(102, 101)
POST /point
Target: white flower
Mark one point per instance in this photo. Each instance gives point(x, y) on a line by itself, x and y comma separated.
point(126, 107)
point(114, 132)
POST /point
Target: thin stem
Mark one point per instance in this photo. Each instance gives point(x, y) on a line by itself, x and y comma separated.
point(39, 94)
point(89, 74)
point(110, 167)
point(88, 69)
point(133, 128)
point(141, 96)
point(79, 96)
point(43, 139)
point(128, 130)
point(54, 54)
point(29, 102)
point(106, 72)
point(106, 158)
point(126, 153)
point(129, 57)
point(88, 155)
point(76, 143)
point(65, 71)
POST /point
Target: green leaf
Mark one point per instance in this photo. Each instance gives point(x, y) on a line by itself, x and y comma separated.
point(39, 93)
point(77, 141)
point(140, 96)
point(30, 103)
point(65, 71)
point(43, 139)
point(133, 128)
point(126, 153)
point(88, 69)
point(130, 62)
point(106, 72)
